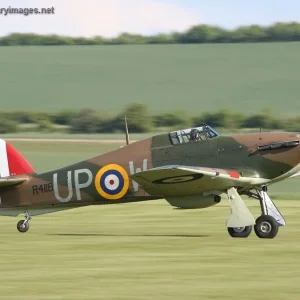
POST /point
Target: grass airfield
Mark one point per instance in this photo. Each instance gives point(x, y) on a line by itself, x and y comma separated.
point(143, 250)
point(148, 251)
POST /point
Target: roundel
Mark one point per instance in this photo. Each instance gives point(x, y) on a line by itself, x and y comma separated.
point(112, 182)
point(178, 179)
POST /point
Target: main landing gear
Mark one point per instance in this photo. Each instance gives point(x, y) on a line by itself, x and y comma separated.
point(23, 225)
point(241, 221)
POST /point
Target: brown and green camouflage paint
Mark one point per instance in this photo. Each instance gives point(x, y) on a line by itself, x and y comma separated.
point(237, 152)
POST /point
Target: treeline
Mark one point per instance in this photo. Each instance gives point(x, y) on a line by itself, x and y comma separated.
point(140, 120)
point(278, 32)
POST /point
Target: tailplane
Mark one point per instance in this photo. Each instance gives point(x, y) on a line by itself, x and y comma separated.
point(12, 162)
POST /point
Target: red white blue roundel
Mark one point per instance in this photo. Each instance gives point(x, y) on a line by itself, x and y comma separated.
point(112, 182)
point(179, 179)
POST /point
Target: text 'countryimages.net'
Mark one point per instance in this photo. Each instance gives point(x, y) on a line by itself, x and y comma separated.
point(26, 11)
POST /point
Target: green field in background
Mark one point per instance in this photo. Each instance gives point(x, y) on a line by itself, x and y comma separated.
point(147, 251)
point(113, 136)
point(68, 136)
point(45, 156)
point(194, 78)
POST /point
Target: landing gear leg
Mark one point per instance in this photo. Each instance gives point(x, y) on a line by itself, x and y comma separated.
point(267, 225)
point(239, 224)
point(23, 225)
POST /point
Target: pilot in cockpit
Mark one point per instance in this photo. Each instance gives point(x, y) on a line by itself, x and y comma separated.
point(195, 135)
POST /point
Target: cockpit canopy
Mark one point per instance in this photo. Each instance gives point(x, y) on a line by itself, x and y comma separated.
point(193, 134)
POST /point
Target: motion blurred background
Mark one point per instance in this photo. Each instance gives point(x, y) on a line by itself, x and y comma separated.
point(168, 64)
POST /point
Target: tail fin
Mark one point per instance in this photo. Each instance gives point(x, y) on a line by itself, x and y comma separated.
point(12, 162)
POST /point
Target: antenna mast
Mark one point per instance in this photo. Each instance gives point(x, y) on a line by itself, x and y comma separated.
point(126, 130)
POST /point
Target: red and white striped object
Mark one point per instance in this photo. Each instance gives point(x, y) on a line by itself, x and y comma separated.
point(12, 162)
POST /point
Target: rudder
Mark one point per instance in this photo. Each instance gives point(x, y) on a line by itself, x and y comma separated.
point(12, 162)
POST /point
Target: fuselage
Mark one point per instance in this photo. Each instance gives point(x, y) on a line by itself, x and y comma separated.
point(264, 155)
point(272, 156)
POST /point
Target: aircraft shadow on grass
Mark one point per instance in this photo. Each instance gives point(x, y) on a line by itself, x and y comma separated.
point(130, 235)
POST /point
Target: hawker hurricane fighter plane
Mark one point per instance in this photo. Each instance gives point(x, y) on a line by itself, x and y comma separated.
point(190, 168)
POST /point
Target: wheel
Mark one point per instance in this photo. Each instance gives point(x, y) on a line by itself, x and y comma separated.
point(239, 232)
point(266, 227)
point(23, 227)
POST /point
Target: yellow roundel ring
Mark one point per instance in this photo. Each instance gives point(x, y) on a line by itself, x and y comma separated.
point(112, 182)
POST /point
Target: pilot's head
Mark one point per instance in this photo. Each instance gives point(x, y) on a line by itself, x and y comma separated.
point(194, 135)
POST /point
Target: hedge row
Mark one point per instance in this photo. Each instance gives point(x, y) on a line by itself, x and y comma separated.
point(140, 120)
point(196, 34)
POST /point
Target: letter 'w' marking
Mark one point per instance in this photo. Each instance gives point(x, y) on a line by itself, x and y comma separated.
point(131, 169)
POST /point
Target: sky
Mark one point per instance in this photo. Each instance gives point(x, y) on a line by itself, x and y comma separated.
point(108, 18)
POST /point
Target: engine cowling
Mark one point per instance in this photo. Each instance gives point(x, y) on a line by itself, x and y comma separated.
point(192, 202)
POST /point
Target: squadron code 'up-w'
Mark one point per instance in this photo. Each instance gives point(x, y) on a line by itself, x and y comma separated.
point(131, 169)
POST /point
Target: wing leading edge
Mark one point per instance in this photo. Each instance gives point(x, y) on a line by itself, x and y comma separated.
point(189, 180)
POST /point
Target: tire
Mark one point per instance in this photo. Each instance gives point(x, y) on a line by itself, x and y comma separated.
point(22, 228)
point(266, 227)
point(240, 232)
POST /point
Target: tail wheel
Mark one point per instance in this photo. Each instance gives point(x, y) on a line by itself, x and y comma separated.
point(23, 227)
point(266, 227)
point(239, 232)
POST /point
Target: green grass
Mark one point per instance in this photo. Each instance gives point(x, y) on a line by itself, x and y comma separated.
point(115, 136)
point(194, 78)
point(148, 251)
point(101, 136)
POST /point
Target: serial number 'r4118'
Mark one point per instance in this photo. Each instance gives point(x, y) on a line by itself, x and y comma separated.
point(42, 188)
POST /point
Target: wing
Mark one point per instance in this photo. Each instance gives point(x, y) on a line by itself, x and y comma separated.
point(11, 181)
point(187, 180)
point(295, 175)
